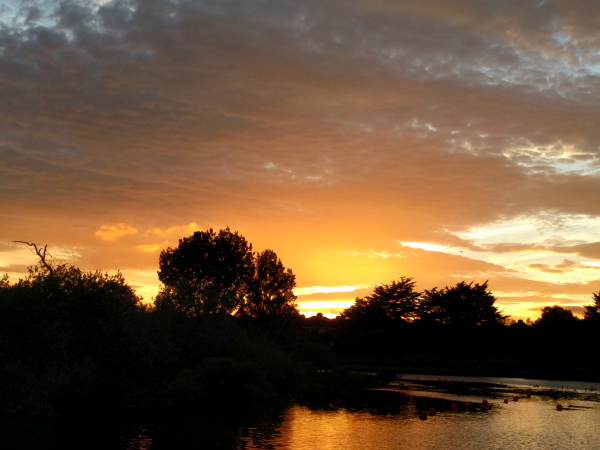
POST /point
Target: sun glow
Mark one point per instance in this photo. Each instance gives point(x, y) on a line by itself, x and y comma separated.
point(326, 289)
point(325, 304)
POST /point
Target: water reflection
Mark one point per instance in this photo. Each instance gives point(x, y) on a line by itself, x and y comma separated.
point(532, 424)
point(140, 441)
point(372, 420)
point(579, 386)
point(390, 419)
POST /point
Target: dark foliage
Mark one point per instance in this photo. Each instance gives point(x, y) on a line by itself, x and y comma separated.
point(463, 304)
point(556, 318)
point(67, 337)
point(218, 273)
point(74, 341)
point(397, 301)
point(206, 273)
point(592, 312)
point(270, 294)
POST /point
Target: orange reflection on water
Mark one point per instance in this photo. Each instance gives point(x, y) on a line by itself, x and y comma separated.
point(529, 423)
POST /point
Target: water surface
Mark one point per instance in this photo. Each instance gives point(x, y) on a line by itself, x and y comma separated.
point(387, 418)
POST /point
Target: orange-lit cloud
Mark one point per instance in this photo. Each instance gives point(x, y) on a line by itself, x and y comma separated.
point(151, 247)
point(113, 232)
point(182, 230)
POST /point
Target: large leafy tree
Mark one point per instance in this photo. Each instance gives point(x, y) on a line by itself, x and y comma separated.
point(396, 301)
point(463, 304)
point(208, 272)
point(270, 294)
point(213, 272)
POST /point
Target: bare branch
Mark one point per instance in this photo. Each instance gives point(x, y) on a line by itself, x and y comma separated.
point(42, 253)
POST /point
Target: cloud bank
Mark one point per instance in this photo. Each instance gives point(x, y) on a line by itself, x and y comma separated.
point(331, 132)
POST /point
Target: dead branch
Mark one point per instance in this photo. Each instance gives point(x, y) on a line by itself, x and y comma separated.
point(42, 253)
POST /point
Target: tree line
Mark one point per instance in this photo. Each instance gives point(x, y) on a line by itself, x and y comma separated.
point(462, 304)
point(225, 329)
point(458, 329)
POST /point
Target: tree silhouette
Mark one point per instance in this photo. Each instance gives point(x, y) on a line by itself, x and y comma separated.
point(463, 304)
point(206, 273)
point(271, 292)
point(210, 273)
point(396, 301)
point(592, 312)
point(67, 338)
point(556, 317)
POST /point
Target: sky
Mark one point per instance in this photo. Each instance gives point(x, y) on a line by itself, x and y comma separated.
point(362, 141)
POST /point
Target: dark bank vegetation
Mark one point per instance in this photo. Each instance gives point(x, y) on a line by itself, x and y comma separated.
point(225, 332)
point(458, 330)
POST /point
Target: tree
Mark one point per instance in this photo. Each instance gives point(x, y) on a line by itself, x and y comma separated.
point(211, 273)
point(463, 304)
point(556, 317)
point(592, 312)
point(67, 337)
point(88, 309)
point(396, 301)
point(4, 283)
point(271, 292)
point(206, 273)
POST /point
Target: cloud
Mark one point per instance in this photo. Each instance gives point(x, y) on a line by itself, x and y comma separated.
point(114, 232)
point(565, 266)
point(574, 308)
point(17, 268)
point(7, 246)
point(545, 268)
point(151, 248)
point(589, 250)
point(319, 129)
point(183, 230)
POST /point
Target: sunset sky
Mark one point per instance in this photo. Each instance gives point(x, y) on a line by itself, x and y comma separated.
point(361, 140)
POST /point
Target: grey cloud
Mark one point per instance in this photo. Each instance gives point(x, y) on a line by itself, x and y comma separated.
point(545, 268)
point(7, 246)
point(575, 309)
point(589, 250)
point(397, 109)
point(540, 288)
point(18, 268)
point(585, 249)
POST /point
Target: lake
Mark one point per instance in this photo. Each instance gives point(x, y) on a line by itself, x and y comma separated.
point(387, 418)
